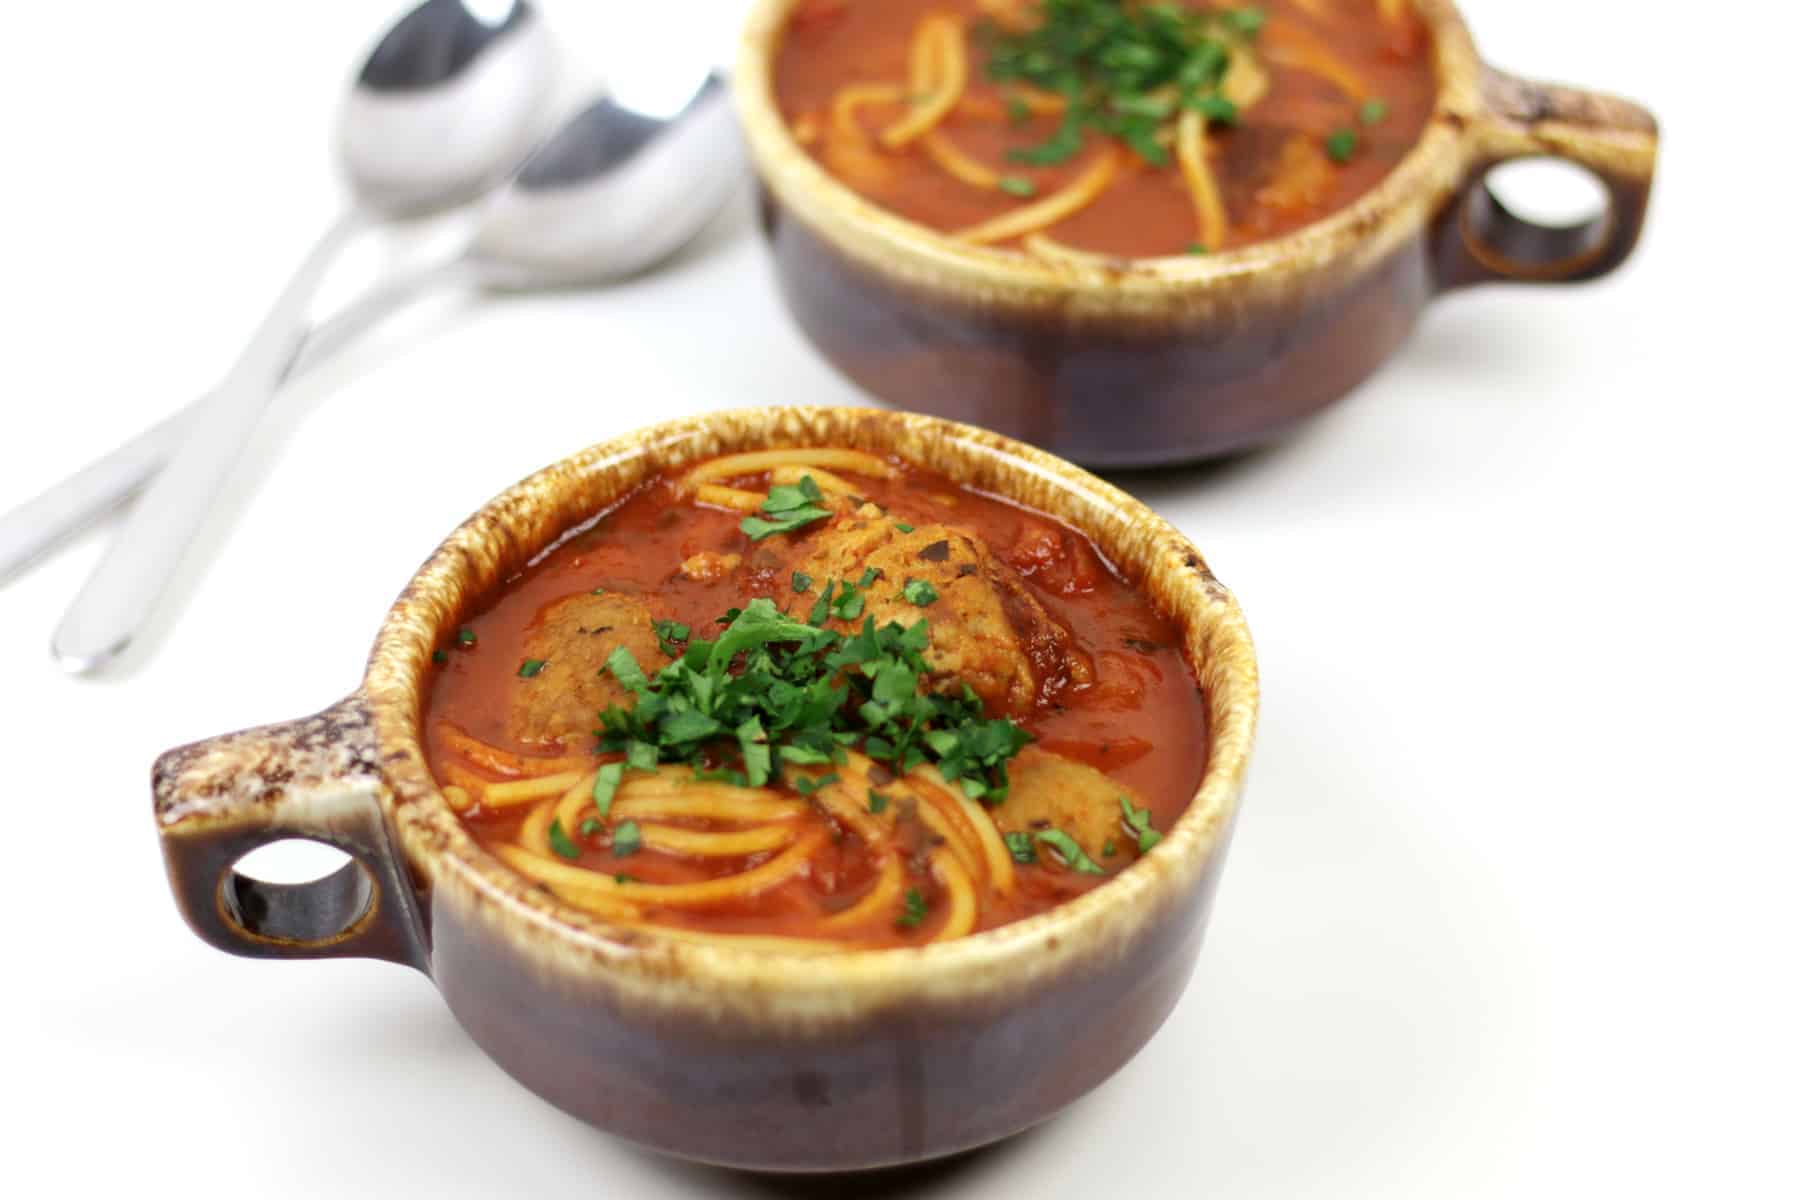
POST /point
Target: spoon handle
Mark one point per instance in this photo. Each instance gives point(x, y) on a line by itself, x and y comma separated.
point(136, 571)
point(38, 526)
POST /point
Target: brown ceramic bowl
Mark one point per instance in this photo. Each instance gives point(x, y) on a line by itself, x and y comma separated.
point(749, 1058)
point(1165, 360)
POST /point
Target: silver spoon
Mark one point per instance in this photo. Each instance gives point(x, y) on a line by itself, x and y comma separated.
point(447, 103)
point(615, 190)
point(591, 204)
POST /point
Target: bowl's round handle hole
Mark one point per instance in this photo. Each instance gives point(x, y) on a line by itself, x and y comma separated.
point(297, 891)
point(1538, 218)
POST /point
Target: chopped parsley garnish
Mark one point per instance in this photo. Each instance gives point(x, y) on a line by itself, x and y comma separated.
point(626, 839)
point(465, 637)
point(903, 527)
point(670, 635)
point(530, 668)
point(773, 691)
point(806, 785)
point(1017, 185)
point(622, 877)
point(1111, 848)
point(1374, 111)
point(590, 827)
point(1198, 248)
point(850, 598)
point(912, 915)
point(919, 592)
point(802, 583)
point(1246, 22)
point(1138, 821)
point(788, 507)
point(440, 657)
point(877, 802)
point(559, 842)
point(1017, 111)
point(623, 665)
point(1122, 69)
point(1070, 852)
point(821, 609)
point(1019, 844)
point(1341, 145)
point(606, 785)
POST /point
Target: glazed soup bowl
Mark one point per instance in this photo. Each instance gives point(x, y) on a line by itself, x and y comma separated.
point(1138, 362)
point(747, 1057)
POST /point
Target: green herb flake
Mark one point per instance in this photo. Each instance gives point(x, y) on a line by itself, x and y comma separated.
point(606, 785)
point(590, 827)
point(877, 802)
point(1245, 22)
point(622, 664)
point(903, 527)
point(1341, 145)
point(787, 508)
point(1019, 844)
point(627, 839)
point(1111, 848)
point(1374, 111)
point(465, 637)
point(806, 785)
point(1017, 111)
point(1215, 108)
point(1122, 69)
point(560, 843)
point(440, 657)
point(919, 592)
point(912, 914)
point(1017, 185)
point(670, 636)
point(802, 583)
point(530, 667)
point(1198, 248)
point(622, 877)
point(1070, 851)
point(1138, 821)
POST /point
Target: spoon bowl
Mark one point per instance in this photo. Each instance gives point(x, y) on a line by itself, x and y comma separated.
point(447, 104)
point(619, 187)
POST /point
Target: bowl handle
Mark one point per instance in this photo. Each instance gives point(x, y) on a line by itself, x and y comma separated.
point(1481, 240)
point(320, 779)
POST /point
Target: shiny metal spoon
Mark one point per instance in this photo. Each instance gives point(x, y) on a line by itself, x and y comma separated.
point(615, 190)
point(448, 103)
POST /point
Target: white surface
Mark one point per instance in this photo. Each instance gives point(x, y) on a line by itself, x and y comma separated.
point(1511, 910)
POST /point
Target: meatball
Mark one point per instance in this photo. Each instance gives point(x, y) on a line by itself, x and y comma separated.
point(574, 637)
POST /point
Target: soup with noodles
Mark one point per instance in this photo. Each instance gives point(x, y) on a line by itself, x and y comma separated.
point(1065, 128)
point(818, 699)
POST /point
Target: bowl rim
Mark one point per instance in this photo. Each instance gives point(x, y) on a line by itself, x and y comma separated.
point(1354, 236)
point(448, 586)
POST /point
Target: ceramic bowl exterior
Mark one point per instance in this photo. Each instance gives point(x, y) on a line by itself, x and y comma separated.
point(1152, 361)
point(751, 1058)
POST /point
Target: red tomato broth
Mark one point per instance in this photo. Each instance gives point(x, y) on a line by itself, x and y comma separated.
point(1147, 211)
point(1142, 722)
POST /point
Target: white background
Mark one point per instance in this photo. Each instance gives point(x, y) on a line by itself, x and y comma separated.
point(1512, 908)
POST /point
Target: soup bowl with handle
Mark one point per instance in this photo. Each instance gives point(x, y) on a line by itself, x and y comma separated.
point(1142, 362)
point(753, 1058)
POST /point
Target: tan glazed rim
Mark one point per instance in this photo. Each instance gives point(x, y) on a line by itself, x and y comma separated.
point(717, 980)
point(1352, 238)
